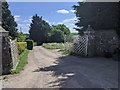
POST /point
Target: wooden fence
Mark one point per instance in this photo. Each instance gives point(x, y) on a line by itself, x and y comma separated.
point(14, 52)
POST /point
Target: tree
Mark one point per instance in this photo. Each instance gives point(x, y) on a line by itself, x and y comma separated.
point(8, 21)
point(56, 36)
point(100, 15)
point(63, 28)
point(39, 30)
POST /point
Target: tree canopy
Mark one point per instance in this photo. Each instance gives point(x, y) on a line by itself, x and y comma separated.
point(63, 28)
point(8, 21)
point(39, 29)
point(100, 15)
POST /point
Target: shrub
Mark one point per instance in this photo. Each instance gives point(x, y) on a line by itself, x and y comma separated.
point(21, 47)
point(30, 44)
point(21, 37)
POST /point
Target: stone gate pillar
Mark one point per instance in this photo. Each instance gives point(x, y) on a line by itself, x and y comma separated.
point(89, 33)
point(5, 60)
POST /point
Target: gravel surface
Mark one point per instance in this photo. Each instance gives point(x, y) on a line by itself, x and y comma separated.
point(46, 69)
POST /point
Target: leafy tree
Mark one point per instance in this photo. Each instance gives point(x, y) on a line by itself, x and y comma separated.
point(57, 36)
point(8, 21)
point(63, 28)
point(100, 15)
point(39, 30)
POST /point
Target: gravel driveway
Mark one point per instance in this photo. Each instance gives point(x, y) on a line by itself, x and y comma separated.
point(47, 69)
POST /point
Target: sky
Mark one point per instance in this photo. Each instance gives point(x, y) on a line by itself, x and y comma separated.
point(53, 12)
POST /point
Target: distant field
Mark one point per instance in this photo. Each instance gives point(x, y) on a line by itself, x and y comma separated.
point(73, 34)
point(54, 45)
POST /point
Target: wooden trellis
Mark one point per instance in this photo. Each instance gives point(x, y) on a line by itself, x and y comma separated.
point(14, 52)
point(80, 46)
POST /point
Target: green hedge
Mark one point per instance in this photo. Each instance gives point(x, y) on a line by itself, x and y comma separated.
point(21, 47)
point(30, 44)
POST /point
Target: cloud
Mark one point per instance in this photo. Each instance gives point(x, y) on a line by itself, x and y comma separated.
point(24, 27)
point(70, 23)
point(70, 20)
point(63, 11)
point(73, 11)
point(17, 17)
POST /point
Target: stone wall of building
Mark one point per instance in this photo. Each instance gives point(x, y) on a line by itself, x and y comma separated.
point(106, 41)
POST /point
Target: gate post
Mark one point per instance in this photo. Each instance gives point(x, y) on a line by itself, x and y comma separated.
point(89, 33)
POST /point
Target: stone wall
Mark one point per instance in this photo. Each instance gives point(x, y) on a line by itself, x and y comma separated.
point(0, 55)
point(106, 40)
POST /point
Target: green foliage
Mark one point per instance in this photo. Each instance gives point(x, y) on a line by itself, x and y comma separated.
point(30, 44)
point(21, 37)
point(22, 62)
point(60, 46)
point(74, 34)
point(21, 47)
point(63, 28)
point(57, 36)
point(54, 45)
point(39, 30)
point(100, 15)
point(8, 21)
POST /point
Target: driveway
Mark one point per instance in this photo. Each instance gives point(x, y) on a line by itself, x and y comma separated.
point(49, 69)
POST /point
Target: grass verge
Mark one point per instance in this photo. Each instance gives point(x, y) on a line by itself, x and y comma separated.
point(22, 62)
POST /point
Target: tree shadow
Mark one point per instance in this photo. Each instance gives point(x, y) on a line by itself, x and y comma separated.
point(73, 72)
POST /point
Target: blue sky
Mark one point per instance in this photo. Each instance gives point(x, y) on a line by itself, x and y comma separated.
point(53, 12)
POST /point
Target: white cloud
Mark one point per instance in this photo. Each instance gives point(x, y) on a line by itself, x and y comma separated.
point(17, 17)
point(70, 20)
point(73, 11)
point(63, 11)
point(70, 23)
point(24, 27)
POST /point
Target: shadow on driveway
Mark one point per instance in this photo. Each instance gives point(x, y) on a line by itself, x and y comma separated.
point(73, 72)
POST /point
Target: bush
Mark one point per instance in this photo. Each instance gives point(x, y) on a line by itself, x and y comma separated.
point(30, 44)
point(21, 47)
point(21, 37)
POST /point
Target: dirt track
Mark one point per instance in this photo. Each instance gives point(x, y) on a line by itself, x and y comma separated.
point(48, 69)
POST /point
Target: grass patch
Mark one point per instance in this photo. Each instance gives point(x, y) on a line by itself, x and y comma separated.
point(54, 46)
point(22, 62)
point(60, 46)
